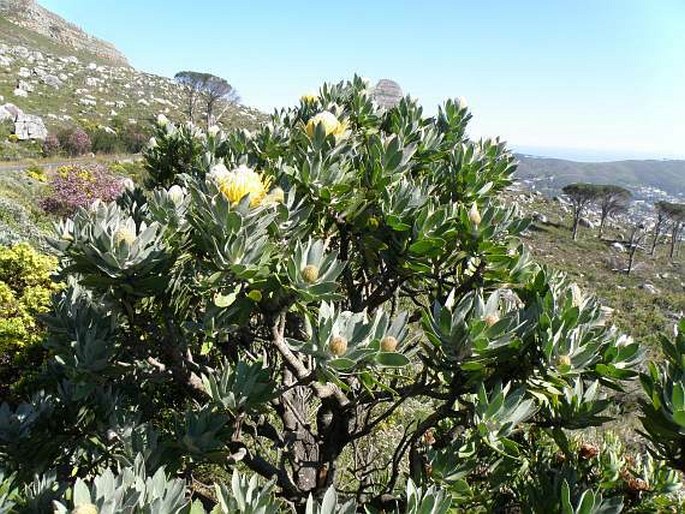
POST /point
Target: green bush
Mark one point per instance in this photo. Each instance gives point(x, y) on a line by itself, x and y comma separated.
point(105, 141)
point(339, 303)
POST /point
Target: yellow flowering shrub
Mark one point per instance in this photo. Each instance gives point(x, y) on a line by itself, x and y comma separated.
point(25, 290)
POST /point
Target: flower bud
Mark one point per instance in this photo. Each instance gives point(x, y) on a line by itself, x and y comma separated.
point(462, 103)
point(588, 451)
point(128, 184)
point(388, 344)
point(308, 98)
point(474, 215)
point(152, 143)
point(310, 273)
point(491, 319)
point(176, 194)
point(563, 361)
point(338, 346)
point(638, 484)
point(213, 130)
point(162, 120)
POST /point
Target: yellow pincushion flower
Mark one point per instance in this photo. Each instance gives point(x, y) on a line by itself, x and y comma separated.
point(308, 98)
point(330, 123)
point(237, 183)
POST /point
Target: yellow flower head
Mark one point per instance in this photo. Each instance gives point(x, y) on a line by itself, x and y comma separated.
point(330, 124)
point(308, 98)
point(237, 183)
point(124, 235)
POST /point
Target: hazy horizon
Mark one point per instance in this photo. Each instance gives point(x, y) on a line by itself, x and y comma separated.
point(587, 79)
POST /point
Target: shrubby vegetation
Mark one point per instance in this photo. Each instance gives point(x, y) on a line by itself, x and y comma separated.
point(26, 288)
point(339, 304)
point(76, 185)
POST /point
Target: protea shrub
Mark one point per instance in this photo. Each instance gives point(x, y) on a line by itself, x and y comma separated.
point(339, 304)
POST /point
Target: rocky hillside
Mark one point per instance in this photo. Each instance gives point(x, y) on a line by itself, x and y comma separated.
point(29, 15)
point(52, 75)
point(645, 303)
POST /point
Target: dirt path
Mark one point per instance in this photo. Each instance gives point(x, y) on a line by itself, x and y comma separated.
point(52, 165)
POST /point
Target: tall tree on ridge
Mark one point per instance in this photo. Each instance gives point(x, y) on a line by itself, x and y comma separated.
point(612, 199)
point(208, 89)
point(581, 195)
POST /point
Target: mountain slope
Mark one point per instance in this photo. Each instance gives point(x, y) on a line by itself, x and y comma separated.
point(52, 69)
point(29, 15)
point(666, 175)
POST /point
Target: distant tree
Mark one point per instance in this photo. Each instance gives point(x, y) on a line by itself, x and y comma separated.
point(661, 220)
point(191, 82)
point(612, 199)
point(676, 217)
point(637, 235)
point(581, 195)
point(210, 90)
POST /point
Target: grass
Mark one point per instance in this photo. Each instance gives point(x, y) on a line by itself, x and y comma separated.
point(593, 264)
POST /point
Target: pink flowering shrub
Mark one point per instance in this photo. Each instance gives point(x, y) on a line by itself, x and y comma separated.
point(71, 187)
point(76, 142)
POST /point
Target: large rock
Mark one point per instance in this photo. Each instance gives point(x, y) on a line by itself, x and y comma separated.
point(387, 93)
point(52, 80)
point(9, 112)
point(650, 288)
point(29, 126)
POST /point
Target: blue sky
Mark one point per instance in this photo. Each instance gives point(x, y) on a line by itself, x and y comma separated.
point(590, 77)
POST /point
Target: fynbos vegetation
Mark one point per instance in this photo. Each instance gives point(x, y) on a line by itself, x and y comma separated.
point(337, 305)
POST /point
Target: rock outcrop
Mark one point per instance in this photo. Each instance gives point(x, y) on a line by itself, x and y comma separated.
point(26, 126)
point(30, 126)
point(387, 93)
point(30, 15)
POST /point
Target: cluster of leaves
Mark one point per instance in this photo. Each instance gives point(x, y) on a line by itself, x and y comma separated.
point(131, 490)
point(273, 299)
point(79, 185)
